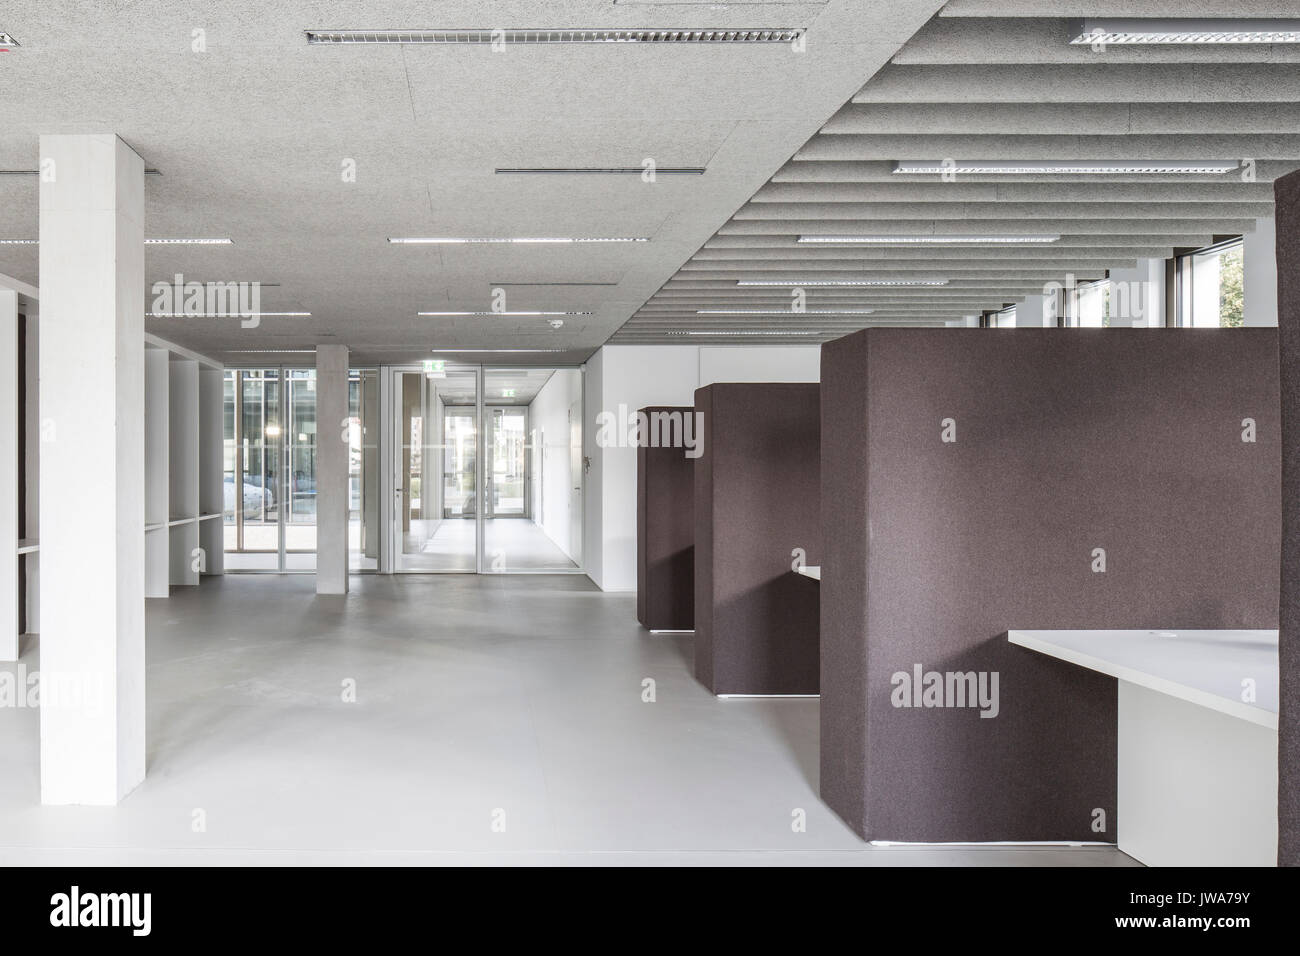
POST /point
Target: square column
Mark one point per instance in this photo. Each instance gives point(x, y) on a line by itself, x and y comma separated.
point(10, 504)
point(1259, 279)
point(92, 469)
point(332, 429)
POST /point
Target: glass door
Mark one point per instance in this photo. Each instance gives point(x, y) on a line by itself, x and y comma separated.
point(436, 445)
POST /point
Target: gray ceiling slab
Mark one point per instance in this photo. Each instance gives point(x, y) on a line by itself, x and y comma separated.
point(251, 136)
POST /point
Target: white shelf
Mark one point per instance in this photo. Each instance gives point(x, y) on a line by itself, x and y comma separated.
point(1204, 667)
point(28, 545)
point(210, 517)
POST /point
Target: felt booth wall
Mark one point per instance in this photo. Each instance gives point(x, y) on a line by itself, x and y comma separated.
point(756, 517)
point(1287, 194)
point(665, 519)
point(982, 480)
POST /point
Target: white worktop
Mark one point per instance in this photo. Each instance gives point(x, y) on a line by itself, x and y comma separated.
point(1202, 667)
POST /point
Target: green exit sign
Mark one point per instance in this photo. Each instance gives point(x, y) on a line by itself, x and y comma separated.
point(507, 393)
point(436, 368)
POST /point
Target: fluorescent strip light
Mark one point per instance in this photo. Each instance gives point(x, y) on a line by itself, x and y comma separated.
point(541, 36)
point(1055, 167)
point(228, 315)
point(7, 42)
point(1132, 31)
point(907, 240)
point(750, 332)
point(500, 313)
point(475, 351)
point(270, 351)
point(147, 242)
point(457, 240)
point(599, 171)
point(783, 312)
point(189, 242)
point(840, 282)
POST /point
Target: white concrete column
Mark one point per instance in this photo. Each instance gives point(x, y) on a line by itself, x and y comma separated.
point(331, 469)
point(1259, 281)
point(92, 467)
point(10, 590)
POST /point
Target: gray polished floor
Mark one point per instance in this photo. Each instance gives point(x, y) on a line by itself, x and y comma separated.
point(480, 701)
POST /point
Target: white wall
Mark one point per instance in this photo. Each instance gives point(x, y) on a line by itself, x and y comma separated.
point(630, 377)
point(553, 478)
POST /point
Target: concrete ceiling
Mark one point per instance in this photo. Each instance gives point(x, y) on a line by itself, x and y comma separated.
point(997, 80)
point(250, 136)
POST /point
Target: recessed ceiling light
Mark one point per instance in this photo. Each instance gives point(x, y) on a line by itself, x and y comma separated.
point(19, 242)
point(945, 240)
point(189, 242)
point(270, 351)
point(500, 313)
point(1134, 31)
point(7, 42)
point(840, 282)
point(783, 312)
point(229, 315)
point(1057, 167)
point(456, 240)
point(600, 171)
point(463, 351)
point(539, 36)
point(749, 332)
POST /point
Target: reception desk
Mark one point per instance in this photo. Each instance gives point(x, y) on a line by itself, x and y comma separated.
point(1197, 738)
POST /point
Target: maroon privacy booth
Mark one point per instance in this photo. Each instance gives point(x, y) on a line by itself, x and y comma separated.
point(665, 519)
point(969, 477)
point(756, 514)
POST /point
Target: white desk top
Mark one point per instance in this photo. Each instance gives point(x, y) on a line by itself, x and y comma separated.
point(813, 571)
point(1203, 667)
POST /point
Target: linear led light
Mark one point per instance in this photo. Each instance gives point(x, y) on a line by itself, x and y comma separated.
point(229, 315)
point(147, 242)
point(1055, 167)
point(189, 242)
point(750, 332)
point(500, 313)
point(1118, 32)
point(783, 312)
point(462, 351)
point(7, 43)
point(599, 170)
point(270, 351)
point(455, 240)
point(539, 36)
point(906, 240)
point(840, 282)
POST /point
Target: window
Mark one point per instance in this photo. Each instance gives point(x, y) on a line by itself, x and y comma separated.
point(1006, 319)
point(1090, 308)
point(1210, 287)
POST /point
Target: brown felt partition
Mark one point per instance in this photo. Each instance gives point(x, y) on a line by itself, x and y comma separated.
point(1287, 194)
point(756, 501)
point(665, 526)
point(1066, 441)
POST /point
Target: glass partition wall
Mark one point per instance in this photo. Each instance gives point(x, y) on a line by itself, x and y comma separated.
point(270, 469)
point(487, 469)
point(451, 468)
